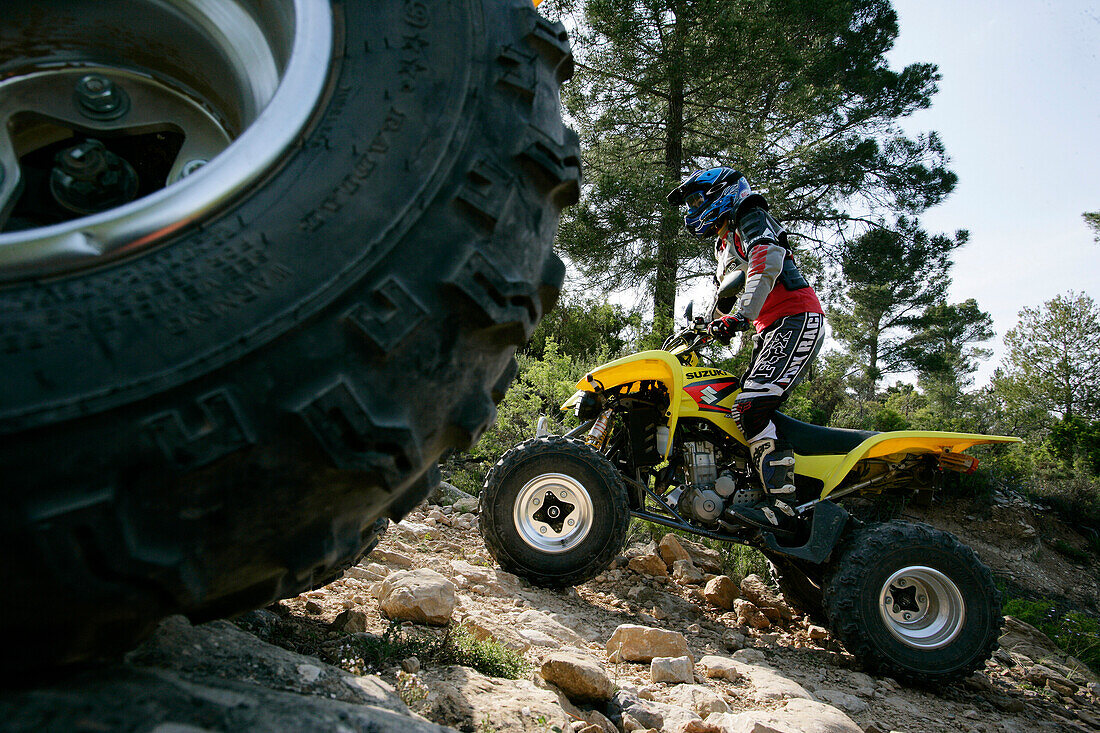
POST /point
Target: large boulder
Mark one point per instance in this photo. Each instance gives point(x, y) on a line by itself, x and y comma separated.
point(468, 700)
point(632, 643)
point(211, 677)
point(797, 716)
point(649, 713)
point(1026, 645)
point(422, 596)
point(581, 678)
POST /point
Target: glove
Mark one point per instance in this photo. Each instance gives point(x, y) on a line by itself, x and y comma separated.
point(725, 327)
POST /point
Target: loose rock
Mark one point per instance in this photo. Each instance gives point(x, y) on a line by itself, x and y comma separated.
point(671, 669)
point(649, 565)
point(632, 643)
point(672, 551)
point(351, 621)
point(581, 678)
point(421, 596)
point(749, 615)
point(684, 572)
point(699, 699)
point(721, 592)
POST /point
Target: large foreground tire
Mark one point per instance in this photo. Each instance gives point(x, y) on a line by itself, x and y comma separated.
point(913, 602)
point(217, 415)
point(554, 511)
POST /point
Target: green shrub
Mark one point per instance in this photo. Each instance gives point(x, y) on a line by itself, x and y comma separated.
point(453, 645)
point(1076, 633)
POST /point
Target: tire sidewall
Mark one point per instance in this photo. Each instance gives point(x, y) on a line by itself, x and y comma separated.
point(971, 640)
point(609, 522)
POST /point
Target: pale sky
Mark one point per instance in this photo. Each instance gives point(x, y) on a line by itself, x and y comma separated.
point(1019, 113)
point(1018, 110)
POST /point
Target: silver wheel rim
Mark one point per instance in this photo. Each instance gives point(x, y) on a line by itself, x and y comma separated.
point(239, 79)
point(553, 513)
point(922, 607)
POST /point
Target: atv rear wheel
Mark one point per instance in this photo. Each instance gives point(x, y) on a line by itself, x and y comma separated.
point(554, 511)
point(215, 386)
point(913, 602)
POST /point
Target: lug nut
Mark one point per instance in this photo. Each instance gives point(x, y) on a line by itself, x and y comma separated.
point(191, 166)
point(87, 178)
point(542, 529)
point(100, 98)
point(901, 582)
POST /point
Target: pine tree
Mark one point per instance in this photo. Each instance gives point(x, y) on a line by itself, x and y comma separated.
point(796, 95)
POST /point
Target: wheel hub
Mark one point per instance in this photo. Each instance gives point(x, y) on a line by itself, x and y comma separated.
point(193, 101)
point(553, 513)
point(922, 607)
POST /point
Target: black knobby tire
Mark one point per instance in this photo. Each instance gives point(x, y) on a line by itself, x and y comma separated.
point(218, 421)
point(526, 468)
point(853, 598)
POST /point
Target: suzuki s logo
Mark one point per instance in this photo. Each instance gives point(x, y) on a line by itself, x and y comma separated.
point(710, 393)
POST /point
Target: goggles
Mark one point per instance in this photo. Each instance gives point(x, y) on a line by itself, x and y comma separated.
point(694, 201)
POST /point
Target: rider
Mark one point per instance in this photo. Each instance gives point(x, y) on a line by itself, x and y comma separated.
point(778, 302)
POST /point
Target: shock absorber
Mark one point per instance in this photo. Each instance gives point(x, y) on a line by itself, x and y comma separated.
point(598, 434)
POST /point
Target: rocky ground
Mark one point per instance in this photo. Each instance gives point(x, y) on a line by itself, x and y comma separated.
point(660, 641)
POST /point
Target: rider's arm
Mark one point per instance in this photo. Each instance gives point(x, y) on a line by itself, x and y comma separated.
point(762, 238)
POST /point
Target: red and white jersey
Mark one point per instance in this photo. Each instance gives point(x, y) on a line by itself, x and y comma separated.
point(765, 297)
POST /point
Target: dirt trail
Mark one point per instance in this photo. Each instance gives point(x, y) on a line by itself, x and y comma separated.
point(1012, 694)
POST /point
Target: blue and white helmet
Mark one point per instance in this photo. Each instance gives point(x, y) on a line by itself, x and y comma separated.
point(712, 196)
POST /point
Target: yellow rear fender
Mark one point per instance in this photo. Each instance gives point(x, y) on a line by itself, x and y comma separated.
point(832, 469)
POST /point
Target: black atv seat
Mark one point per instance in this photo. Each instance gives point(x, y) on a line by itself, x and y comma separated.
point(814, 440)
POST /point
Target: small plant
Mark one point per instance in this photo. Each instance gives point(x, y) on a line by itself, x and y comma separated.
point(450, 646)
point(409, 688)
point(1070, 551)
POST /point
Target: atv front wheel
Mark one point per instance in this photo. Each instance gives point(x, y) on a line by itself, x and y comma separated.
point(913, 602)
point(554, 511)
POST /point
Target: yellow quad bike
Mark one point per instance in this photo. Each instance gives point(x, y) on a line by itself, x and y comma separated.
point(909, 600)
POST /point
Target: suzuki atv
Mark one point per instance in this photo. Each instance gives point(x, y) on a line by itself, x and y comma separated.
point(657, 442)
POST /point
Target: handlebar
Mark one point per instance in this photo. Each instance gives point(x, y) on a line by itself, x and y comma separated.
point(692, 337)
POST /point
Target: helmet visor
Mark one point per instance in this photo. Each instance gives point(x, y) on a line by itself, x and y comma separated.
point(694, 201)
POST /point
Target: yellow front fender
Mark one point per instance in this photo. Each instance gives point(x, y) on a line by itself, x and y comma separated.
point(656, 366)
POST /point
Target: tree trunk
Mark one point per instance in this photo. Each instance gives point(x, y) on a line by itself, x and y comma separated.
point(664, 285)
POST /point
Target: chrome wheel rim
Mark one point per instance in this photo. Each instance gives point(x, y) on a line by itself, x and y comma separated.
point(553, 513)
point(922, 607)
point(217, 91)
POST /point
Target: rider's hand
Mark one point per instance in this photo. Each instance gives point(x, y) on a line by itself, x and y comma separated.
point(725, 327)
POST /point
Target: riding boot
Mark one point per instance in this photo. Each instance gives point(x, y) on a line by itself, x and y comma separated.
point(774, 460)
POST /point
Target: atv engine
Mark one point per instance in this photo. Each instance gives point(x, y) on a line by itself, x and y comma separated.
point(708, 488)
